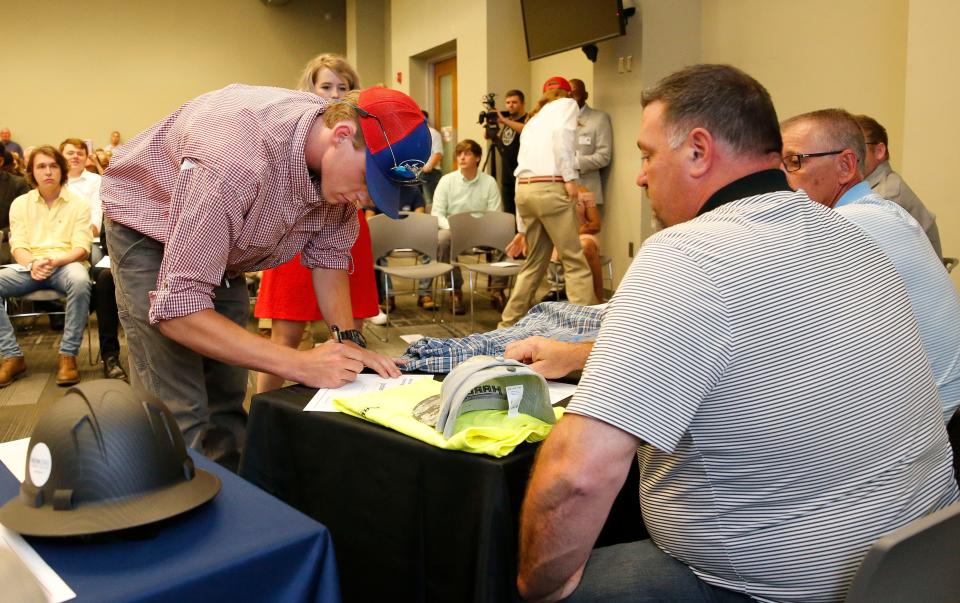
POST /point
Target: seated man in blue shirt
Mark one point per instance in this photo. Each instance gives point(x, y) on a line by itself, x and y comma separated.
point(823, 154)
point(465, 190)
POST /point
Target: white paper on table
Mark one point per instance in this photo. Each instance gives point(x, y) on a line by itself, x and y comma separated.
point(412, 337)
point(14, 456)
point(559, 391)
point(322, 401)
point(503, 264)
point(103, 263)
point(17, 267)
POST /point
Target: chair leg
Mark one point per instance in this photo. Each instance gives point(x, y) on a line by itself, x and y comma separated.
point(472, 328)
point(386, 325)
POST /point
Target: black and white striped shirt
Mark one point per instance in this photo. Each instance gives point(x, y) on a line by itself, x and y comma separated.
point(788, 410)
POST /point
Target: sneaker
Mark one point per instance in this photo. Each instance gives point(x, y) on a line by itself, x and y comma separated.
point(426, 302)
point(112, 368)
point(379, 320)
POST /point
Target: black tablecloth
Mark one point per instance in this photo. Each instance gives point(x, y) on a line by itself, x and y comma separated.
point(409, 521)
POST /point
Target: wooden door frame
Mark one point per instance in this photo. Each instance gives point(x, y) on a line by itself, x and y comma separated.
point(440, 68)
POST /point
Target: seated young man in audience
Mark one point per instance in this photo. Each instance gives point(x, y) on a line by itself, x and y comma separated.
point(465, 190)
point(50, 238)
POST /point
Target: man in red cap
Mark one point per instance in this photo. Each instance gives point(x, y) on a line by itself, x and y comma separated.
point(557, 82)
point(239, 180)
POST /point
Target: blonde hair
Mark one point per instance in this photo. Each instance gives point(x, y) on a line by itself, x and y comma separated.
point(333, 62)
point(344, 109)
point(548, 97)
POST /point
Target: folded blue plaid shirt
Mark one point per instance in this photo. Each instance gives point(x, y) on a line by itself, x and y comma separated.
point(554, 320)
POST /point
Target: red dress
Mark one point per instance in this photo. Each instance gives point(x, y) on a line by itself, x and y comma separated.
point(286, 292)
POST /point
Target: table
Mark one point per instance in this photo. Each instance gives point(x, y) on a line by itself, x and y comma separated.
point(244, 545)
point(410, 522)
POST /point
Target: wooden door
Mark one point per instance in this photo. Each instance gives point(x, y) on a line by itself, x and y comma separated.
point(444, 114)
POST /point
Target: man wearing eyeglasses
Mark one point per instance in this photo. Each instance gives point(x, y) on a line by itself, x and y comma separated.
point(743, 362)
point(240, 180)
point(823, 154)
point(888, 183)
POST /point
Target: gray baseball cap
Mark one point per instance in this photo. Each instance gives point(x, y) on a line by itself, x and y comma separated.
point(487, 383)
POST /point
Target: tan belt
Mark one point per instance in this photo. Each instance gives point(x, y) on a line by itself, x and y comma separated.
point(539, 179)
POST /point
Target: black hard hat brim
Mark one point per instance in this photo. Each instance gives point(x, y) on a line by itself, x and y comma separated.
point(109, 516)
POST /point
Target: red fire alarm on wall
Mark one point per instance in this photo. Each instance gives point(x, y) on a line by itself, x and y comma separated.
point(399, 77)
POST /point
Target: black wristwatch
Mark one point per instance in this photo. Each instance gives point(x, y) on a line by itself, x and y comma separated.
point(355, 336)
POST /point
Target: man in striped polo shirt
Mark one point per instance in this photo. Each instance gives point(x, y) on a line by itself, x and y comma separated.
point(741, 361)
point(823, 154)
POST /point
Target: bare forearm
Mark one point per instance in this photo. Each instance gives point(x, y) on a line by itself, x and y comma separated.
point(22, 256)
point(77, 254)
point(332, 288)
point(213, 335)
point(579, 471)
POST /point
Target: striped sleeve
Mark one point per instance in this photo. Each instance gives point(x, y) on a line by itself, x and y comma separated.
point(666, 319)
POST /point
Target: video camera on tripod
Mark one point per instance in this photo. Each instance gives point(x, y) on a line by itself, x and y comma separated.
point(488, 117)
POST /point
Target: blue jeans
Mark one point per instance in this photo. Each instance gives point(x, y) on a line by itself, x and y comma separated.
point(70, 280)
point(640, 571)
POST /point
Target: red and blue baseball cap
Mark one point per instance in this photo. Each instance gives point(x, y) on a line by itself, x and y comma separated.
point(398, 144)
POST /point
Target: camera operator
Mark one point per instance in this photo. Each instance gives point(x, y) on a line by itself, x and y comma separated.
point(508, 143)
point(432, 171)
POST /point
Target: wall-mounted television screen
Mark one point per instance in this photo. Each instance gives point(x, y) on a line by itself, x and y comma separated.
point(553, 26)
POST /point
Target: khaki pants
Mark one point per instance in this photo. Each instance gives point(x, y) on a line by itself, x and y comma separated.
point(551, 221)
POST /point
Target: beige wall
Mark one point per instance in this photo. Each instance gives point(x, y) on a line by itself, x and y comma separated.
point(88, 68)
point(572, 64)
point(930, 147)
point(422, 30)
point(666, 39)
point(817, 53)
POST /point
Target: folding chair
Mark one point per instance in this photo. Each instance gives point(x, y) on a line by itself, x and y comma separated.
point(918, 562)
point(411, 231)
point(490, 229)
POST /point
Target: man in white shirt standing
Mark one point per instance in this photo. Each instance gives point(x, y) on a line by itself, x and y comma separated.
point(546, 201)
point(466, 190)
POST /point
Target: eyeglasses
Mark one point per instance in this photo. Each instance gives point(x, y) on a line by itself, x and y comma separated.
point(874, 143)
point(792, 163)
point(403, 175)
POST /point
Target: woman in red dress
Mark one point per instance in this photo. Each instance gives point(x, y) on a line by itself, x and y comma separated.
point(286, 293)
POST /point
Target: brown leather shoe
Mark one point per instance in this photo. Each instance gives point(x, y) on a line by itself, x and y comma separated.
point(458, 308)
point(426, 302)
point(67, 373)
point(12, 369)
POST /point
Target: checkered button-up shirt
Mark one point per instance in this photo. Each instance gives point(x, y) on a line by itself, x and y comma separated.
point(223, 184)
